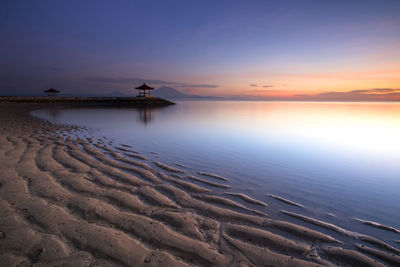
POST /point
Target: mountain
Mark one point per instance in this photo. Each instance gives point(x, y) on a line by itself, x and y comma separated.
point(172, 93)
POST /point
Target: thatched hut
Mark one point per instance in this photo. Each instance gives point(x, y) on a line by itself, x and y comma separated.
point(144, 90)
point(51, 92)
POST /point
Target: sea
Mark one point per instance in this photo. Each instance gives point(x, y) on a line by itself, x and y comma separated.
point(341, 160)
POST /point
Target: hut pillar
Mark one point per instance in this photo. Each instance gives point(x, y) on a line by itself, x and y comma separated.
point(51, 92)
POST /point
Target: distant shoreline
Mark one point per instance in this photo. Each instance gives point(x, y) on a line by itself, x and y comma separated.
point(157, 101)
point(112, 101)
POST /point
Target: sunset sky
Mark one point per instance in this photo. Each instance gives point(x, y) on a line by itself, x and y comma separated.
point(320, 50)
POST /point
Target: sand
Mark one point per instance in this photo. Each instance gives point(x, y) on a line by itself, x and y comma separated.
point(378, 225)
point(287, 201)
point(67, 201)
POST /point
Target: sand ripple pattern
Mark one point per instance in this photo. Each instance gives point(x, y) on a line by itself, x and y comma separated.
point(66, 202)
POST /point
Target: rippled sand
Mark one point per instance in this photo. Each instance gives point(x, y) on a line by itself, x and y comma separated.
point(66, 201)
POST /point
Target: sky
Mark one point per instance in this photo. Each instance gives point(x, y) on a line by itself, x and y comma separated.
point(318, 50)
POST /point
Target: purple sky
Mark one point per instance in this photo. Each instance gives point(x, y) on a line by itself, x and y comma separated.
point(257, 48)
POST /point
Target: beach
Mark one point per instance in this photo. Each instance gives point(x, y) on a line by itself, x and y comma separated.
point(68, 201)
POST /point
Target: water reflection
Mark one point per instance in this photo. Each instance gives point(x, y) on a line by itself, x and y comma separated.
point(340, 157)
point(100, 114)
point(144, 115)
point(53, 112)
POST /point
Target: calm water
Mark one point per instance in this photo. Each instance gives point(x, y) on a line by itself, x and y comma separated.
point(340, 158)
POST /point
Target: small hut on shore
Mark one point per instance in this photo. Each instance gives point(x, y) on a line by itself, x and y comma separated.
point(144, 90)
point(51, 92)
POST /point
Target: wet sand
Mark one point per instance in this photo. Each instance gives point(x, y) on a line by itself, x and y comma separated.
point(67, 201)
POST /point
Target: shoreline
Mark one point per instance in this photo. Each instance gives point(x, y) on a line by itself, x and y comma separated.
point(92, 101)
point(71, 201)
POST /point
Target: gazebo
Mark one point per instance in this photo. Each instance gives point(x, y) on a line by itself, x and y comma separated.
point(144, 90)
point(51, 92)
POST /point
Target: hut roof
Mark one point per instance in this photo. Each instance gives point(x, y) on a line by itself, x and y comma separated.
point(51, 90)
point(144, 87)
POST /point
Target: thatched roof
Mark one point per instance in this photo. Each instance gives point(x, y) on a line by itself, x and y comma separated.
point(144, 87)
point(51, 90)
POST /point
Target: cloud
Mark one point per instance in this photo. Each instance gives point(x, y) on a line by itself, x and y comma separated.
point(190, 91)
point(134, 81)
point(198, 85)
point(374, 91)
point(264, 86)
point(374, 94)
point(386, 90)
